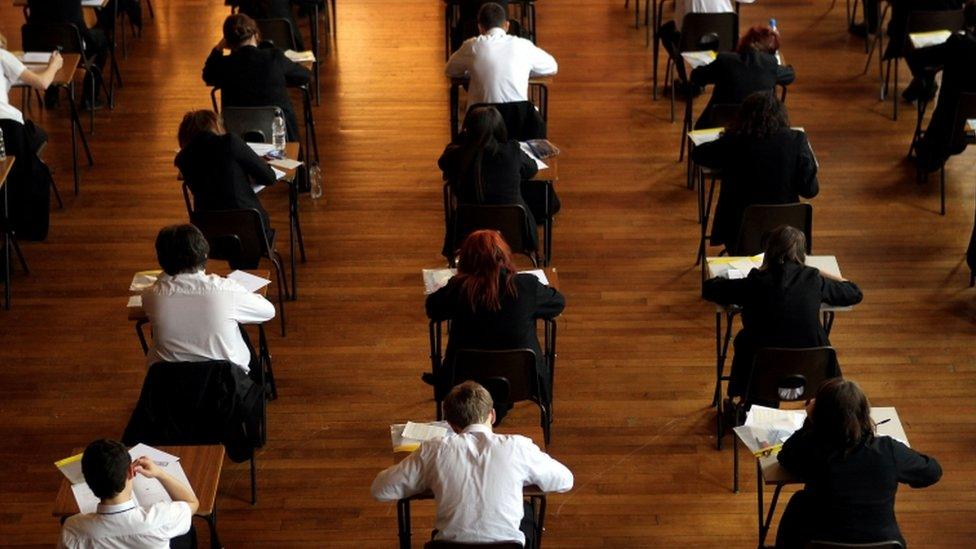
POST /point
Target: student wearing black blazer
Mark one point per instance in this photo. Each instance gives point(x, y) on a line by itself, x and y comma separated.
point(491, 306)
point(780, 302)
point(252, 76)
point(762, 161)
point(752, 68)
point(483, 166)
point(219, 167)
point(69, 11)
point(851, 473)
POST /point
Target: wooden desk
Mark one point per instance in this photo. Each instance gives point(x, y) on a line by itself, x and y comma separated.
point(549, 174)
point(8, 235)
point(202, 465)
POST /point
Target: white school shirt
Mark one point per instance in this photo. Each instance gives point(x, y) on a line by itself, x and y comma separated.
point(681, 7)
point(10, 70)
point(499, 65)
point(477, 478)
point(127, 526)
point(196, 316)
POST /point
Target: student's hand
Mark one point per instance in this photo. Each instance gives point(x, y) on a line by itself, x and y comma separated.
point(147, 467)
point(221, 45)
point(56, 60)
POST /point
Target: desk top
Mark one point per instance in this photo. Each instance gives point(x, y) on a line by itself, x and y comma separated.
point(550, 173)
point(201, 464)
point(718, 266)
point(774, 473)
point(65, 74)
point(5, 169)
point(138, 313)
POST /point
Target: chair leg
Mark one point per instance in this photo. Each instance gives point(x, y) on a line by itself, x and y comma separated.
point(57, 194)
point(735, 465)
point(942, 187)
point(894, 93)
point(282, 290)
point(254, 482)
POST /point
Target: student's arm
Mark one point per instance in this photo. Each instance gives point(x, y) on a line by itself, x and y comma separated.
point(448, 160)
point(176, 489)
point(915, 469)
point(542, 63)
point(401, 480)
point(805, 178)
point(460, 61)
point(212, 73)
point(785, 75)
point(712, 154)
point(295, 74)
point(254, 166)
point(724, 291)
point(527, 166)
point(252, 308)
point(548, 301)
point(839, 292)
point(798, 453)
point(41, 80)
point(543, 471)
point(440, 304)
point(705, 74)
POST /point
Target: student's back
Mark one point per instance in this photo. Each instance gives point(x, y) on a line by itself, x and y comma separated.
point(736, 76)
point(502, 172)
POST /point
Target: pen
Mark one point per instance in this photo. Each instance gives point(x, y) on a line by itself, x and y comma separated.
point(883, 421)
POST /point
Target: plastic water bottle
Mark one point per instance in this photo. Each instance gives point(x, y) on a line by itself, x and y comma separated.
point(278, 128)
point(3, 150)
point(772, 25)
point(315, 180)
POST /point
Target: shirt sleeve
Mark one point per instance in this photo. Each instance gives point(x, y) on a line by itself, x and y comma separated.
point(295, 74)
point(12, 67)
point(543, 471)
point(252, 308)
point(527, 166)
point(438, 304)
point(712, 154)
point(254, 166)
point(211, 68)
point(548, 302)
point(915, 469)
point(172, 518)
point(785, 75)
point(542, 63)
point(839, 293)
point(460, 61)
point(401, 480)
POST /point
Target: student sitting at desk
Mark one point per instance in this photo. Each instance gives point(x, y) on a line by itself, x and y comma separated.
point(753, 67)
point(219, 167)
point(762, 161)
point(29, 182)
point(498, 63)
point(477, 476)
point(491, 305)
point(899, 44)
point(780, 302)
point(483, 166)
point(119, 521)
point(467, 23)
point(195, 316)
point(851, 474)
point(251, 76)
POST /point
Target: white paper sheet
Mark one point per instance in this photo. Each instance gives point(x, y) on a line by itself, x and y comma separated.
point(435, 279)
point(928, 39)
point(300, 56)
point(278, 174)
point(250, 282)
point(36, 57)
point(160, 457)
point(135, 302)
point(538, 273)
point(697, 59)
point(285, 163)
point(143, 280)
point(262, 149)
point(87, 501)
point(423, 431)
point(92, 3)
point(257, 188)
point(705, 135)
point(538, 163)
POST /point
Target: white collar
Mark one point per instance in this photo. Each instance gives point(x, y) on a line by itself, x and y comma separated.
point(477, 428)
point(496, 31)
point(106, 509)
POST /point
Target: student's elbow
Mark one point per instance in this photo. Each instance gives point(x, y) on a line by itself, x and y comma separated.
point(194, 505)
point(382, 491)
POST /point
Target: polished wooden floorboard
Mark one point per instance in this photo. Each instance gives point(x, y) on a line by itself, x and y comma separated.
point(636, 348)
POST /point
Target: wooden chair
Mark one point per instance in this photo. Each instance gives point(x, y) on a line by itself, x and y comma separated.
point(511, 220)
point(965, 110)
point(759, 219)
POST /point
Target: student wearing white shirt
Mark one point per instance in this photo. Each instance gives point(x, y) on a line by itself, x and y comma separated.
point(476, 476)
point(119, 522)
point(498, 64)
point(195, 316)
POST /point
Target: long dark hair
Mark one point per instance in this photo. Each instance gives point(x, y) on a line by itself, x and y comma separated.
point(482, 133)
point(761, 115)
point(484, 259)
point(842, 415)
point(784, 245)
point(239, 28)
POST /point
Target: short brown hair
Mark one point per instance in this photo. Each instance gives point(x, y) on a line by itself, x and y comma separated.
point(239, 28)
point(196, 122)
point(467, 404)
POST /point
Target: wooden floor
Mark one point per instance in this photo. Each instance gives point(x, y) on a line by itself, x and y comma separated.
point(636, 344)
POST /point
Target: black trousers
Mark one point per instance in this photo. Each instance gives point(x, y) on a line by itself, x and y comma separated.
point(29, 182)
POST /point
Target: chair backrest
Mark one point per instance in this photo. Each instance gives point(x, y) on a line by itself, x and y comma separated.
point(516, 366)
point(893, 544)
point(50, 36)
point(759, 219)
point(253, 124)
point(789, 375)
point(695, 26)
point(235, 236)
point(279, 32)
point(522, 121)
point(926, 21)
point(510, 220)
point(440, 544)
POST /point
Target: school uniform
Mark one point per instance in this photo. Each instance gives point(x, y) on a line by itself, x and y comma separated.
point(737, 76)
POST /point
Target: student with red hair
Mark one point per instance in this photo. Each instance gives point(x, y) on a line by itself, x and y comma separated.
point(491, 305)
point(752, 68)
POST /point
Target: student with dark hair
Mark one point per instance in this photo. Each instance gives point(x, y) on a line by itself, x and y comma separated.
point(851, 473)
point(219, 168)
point(119, 522)
point(477, 476)
point(491, 305)
point(273, 9)
point(780, 302)
point(762, 161)
point(196, 317)
point(752, 68)
point(251, 76)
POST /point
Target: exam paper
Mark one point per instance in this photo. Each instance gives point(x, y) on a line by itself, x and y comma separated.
point(278, 173)
point(86, 500)
point(257, 188)
point(697, 59)
point(143, 280)
point(159, 456)
point(423, 431)
point(262, 149)
point(36, 57)
point(705, 135)
point(435, 279)
point(927, 39)
point(285, 164)
point(250, 282)
point(135, 301)
point(300, 56)
point(538, 163)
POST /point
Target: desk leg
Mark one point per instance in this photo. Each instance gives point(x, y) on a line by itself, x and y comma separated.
point(142, 335)
point(765, 524)
point(547, 226)
point(540, 520)
point(722, 341)
point(434, 334)
point(264, 357)
point(403, 523)
point(212, 524)
point(7, 242)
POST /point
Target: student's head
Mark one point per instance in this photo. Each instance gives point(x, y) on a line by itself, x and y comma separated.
point(484, 125)
point(196, 122)
point(240, 30)
point(468, 404)
point(181, 249)
point(491, 16)
point(481, 259)
point(842, 414)
point(784, 245)
point(760, 38)
point(760, 115)
point(107, 466)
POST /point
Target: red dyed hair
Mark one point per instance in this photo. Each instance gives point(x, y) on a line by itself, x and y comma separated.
point(483, 257)
point(760, 38)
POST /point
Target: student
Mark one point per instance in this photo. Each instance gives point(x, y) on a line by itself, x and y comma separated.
point(467, 24)
point(29, 182)
point(762, 161)
point(273, 9)
point(477, 476)
point(483, 166)
point(780, 302)
point(96, 44)
point(898, 39)
point(119, 521)
point(220, 168)
point(252, 76)
point(753, 67)
point(491, 305)
point(195, 316)
point(851, 473)
point(498, 63)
